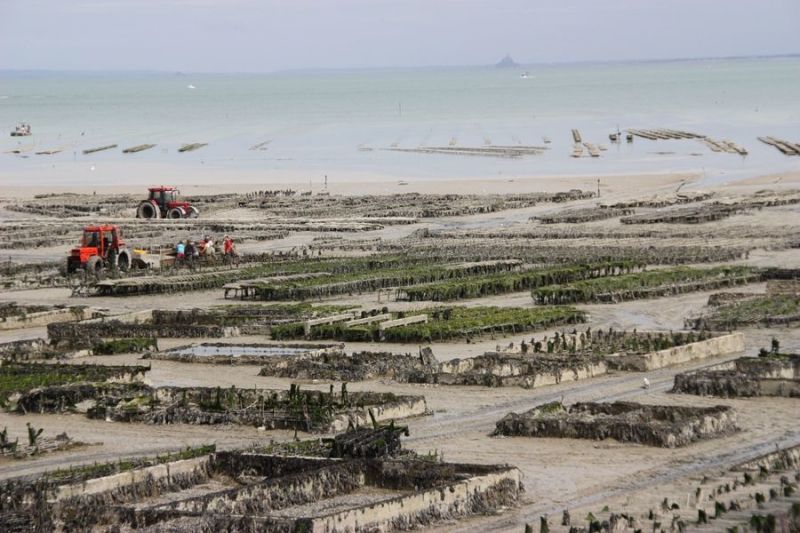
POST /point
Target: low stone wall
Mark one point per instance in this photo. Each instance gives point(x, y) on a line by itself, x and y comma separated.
point(529, 371)
point(695, 351)
point(43, 318)
point(402, 407)
point(232, 463)
point(778, 460)
point(25, 350)
point(263, 498)
point(166, 473)
point(85, 334)
point(772, 375)
point(475, 495)
point(589, 370)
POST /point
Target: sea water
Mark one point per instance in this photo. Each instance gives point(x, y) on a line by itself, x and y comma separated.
point(342, 122)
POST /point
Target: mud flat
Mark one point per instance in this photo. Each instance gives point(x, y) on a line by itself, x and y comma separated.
point(759, 494)
point(653, 425)
point(368, 260)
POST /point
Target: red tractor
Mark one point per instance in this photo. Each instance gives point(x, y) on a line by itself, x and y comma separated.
point(163, 203)
point(101, 247)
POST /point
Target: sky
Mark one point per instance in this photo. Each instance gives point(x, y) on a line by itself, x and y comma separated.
point(272, 35)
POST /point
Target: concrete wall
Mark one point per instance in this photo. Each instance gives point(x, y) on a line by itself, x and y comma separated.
point(126, 479)
point(43, 318)
point(508, 374)
point(503, 368)
point(448, 501)
point(403, 408)
point(784, 458)
point(788, 388)
point(416, 319)
point(133, 316)
point(267, 496)
point(713, 347)
point(563, 376)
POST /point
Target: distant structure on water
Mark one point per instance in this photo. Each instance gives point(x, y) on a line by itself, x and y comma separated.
point(506, 62)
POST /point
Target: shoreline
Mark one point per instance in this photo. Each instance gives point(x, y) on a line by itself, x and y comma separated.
point(610, 184)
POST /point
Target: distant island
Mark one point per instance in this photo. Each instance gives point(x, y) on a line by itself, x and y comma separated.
point(506, 62)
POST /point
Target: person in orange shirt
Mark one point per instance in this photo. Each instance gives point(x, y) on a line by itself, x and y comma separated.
point(227, 246)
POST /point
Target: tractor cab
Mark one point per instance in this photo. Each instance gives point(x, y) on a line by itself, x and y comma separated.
point(101, 239)
point(101, 246)
point(164, 196)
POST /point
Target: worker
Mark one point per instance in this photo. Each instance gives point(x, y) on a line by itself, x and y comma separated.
point(209, 246)
point(228, 247)
point(180, 250)
point(191, 251)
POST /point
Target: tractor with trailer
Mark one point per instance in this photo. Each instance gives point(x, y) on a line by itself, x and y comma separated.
point(163, 203)
point(101, 247)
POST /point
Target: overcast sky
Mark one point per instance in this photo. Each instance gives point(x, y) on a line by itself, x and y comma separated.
point(269, 35)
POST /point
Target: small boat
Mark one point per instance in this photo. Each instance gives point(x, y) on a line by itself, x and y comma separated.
point(546, 140)
point(526, 75)
point(22, 130)
point(191, 87)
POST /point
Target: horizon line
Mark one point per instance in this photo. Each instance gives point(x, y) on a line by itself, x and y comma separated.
point(417, 67)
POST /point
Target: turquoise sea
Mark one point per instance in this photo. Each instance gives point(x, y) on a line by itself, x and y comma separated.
point(316, 122)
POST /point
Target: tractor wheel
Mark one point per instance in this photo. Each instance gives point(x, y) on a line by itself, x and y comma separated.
point(148, 210)
point(193, 212)
point(123, 260)
point(176, 212)
point(94, 266)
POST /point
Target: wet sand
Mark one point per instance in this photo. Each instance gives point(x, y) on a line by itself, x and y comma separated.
point(558, 473)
